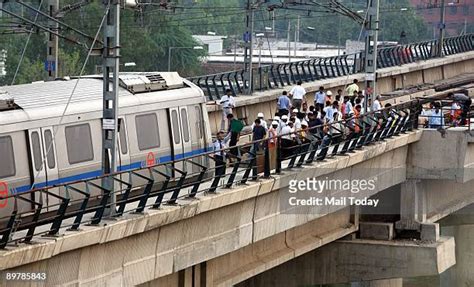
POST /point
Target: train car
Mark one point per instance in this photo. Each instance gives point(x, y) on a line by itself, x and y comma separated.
point(50, 135)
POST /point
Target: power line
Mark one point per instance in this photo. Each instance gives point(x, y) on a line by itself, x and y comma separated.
point(48, 149)
point(25, 47)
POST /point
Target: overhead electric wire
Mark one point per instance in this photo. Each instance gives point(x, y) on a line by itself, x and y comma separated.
point(26, 46)
point(55, 20)
point(266, 36)
point(48, 149)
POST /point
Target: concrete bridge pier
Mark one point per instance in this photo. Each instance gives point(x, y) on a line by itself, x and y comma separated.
point(413, 212)
point(398, 282)
point(460, 225)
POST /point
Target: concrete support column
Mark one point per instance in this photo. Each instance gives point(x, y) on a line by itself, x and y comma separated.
point(397, 282)
point(462, 273)
point(412, 205)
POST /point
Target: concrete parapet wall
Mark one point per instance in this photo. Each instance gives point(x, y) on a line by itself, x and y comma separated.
point(448, 155)
point(140, 248)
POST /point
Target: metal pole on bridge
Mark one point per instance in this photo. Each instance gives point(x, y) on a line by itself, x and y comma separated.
point(371, 38)
point(248, 47)
point(53, 43)
point(442, 27)
point(110, 65)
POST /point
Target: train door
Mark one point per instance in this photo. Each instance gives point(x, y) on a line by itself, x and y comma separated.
point(43, 161)
point(186, 136)
point(49, 149)
point(176, 144)
point(180, 136)
point(38, 174)
point(197, 133)
point(123, 152)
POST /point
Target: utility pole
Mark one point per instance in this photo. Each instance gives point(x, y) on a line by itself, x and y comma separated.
point(442, 26)
point(248, 47)
point(464, 30)
point(273, 22)
point(52, 52)
point(110, 67)
point(299, 27)
point(371, 38)
point(339, 35)
point(297, 33)
point(289, 43)
point(235, 53)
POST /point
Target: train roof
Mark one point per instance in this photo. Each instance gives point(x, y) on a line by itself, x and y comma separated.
point(46, 94)
point(48, 99)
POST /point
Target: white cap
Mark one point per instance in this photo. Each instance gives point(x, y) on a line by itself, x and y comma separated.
point(284, 117)
point(329, 93)
point(304, 123)
point(260, 115)
point(295, 110)
point(274, 123)
point(276, 118)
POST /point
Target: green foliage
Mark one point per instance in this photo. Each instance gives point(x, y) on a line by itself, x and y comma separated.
point(147, 36)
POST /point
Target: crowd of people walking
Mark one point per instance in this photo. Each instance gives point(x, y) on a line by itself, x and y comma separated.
point(329, 119)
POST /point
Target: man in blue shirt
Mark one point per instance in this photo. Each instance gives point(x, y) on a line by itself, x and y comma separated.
point(436, 119)
point(283, 104)
point(348, 112)
point(320, 99)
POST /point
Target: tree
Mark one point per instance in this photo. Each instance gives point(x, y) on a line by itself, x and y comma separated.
point(143, 42)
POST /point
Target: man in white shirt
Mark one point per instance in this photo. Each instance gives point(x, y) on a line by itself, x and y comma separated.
point(299, 94)
point(227, 103)
point(320, 99)
point(349, 110)
point(376, 106)
point(219, 154)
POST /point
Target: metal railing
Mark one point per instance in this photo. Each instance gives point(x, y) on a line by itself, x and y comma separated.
point(280, 75)
point(87, 202)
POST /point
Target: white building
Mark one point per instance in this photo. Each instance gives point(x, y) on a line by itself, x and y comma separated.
point(214, 44)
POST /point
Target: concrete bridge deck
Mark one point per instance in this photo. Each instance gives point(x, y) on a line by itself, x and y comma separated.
point(162, 242)
point(235, 234)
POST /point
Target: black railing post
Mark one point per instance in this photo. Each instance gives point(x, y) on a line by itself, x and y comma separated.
point(82, 209)
point(278, 156)
point(230, 182)
point(59, 217)
point(103, 203)
point(9, 228)
point(266, 168)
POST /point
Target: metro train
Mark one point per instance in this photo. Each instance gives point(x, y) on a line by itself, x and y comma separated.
point(162, 117)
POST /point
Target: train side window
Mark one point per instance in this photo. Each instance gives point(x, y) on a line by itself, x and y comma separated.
point(199, 121)
point(36, 148)
point(7, 168)
point(123, 137)
point(79, 143)
point(48, 145)
point(174, 125)
point(184, 124)
point(148, 133)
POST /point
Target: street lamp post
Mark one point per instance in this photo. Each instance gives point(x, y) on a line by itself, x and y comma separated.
point(260, 43)
point(171, 48)
point(312, 29)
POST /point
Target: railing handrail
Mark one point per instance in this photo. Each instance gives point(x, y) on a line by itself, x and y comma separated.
point(278, 75)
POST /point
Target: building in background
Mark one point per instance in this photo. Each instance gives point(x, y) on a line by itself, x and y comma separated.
point(3, 60)
point(459, 14)
point(213, 44)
